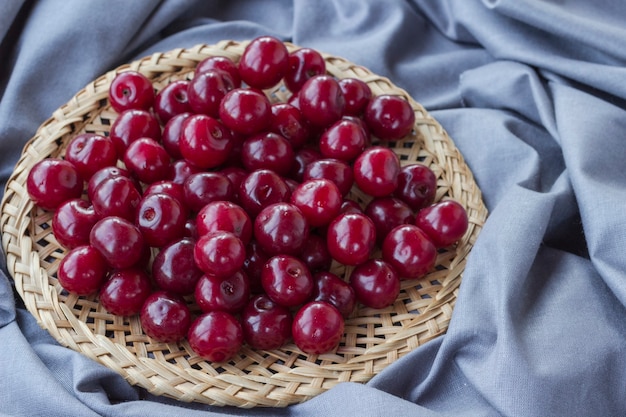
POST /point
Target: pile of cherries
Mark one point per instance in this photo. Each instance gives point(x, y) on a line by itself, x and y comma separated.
point(208, 193)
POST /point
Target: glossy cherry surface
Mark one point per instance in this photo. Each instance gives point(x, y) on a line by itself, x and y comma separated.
point(389, 117)
point(72, 222)
point(409, 251)
point(334, 290)
point(266, 324)
point(131, 90)
point(161, 219)
point(228, 294)
point(264, 62)
point(165, 317)
point(215, 336)
point(350, 238)
point(376, 171)
point(287, 280)
point(204, 141)
point(174, 268)
point(219, 253)
point(444, 222)
point(125, 291)
point(224, 216)
point(317, 327)
point(118, 240)
point(417, 186)
point(90, 152)
point(52, 181)
point(82, 270)
point(281, 228)
point(245, 111)
point(376, 283)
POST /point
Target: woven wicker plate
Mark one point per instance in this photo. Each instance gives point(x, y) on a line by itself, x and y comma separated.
point(374, 338)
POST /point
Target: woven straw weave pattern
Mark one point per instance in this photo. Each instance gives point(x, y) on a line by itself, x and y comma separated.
point(374, 338)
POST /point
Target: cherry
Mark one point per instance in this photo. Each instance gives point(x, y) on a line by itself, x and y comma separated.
point(125, 292)
point(245, 111)
point(264, 62)
point(172, 100)
point(52, 181)
point(344, 140)
point(319, 200)
point(376, 171)
point(357, 95)
point(287, 280)
point(171, 188)
point(147, 160)
point(165, 317)
point(205, 187)
point(174, 268)
point(131, 125)
point(302, 158)
point(281, 228)
point(90, 152)
point(116, 196)
point(304, 63)
point(315, 253)
point(204, 141)
point(131, 90)
point(228, 294)
point(161, 219)
point(375, 283)
point(389, 117)
point(417, 186)
point(224, 216)
point(334, 290)
point(72, 222)
point(170, 136)
point(221, 63)
point(321, 100)
point(387, 213)
point(118, 240)
point(262, 188)
point(288, 122)
point(317, 327)
point(409, 251)
point(335, 170)
point(206, 91)
point(444, 222)
point(181, 169)
point(219, 253)
point(103, 174)
point(350, 206)
point(350, 238)
point(82, 270)
point(215, 336)
point(266, 325)
point(267, 151)
point(253, 265)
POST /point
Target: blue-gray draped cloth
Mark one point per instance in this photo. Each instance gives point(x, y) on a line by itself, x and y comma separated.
point(533, 93)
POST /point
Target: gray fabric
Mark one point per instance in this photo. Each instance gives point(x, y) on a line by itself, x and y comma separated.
point(532, 92)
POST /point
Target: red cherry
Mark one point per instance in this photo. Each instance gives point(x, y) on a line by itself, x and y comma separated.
point(228, 294)
point(174, 268)
point(375, 283)
point(204, 141)
point(304, 63)
point(72, 222)
point(90, 152)
point(266, 325)
point(321, 100)
point(215, 336)
point(118, 240)
point(409, 251)
point(131, 90)
point(82, 270)
point(220, 254)
point(264, 62)
point(389, 117)
point(281, 228)
point(53, 181)
point(334, 290)
point(317, 328)
point(245, 111)
point(444, 222)
point(125, 292)
point(287, 280)
point(350, 238)
point(376, 171)
point(165, 317)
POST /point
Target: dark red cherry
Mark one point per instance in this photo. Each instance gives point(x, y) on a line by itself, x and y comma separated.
point(53, 181)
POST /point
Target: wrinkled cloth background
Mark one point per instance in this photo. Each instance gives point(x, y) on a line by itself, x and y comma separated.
point(533, 92)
